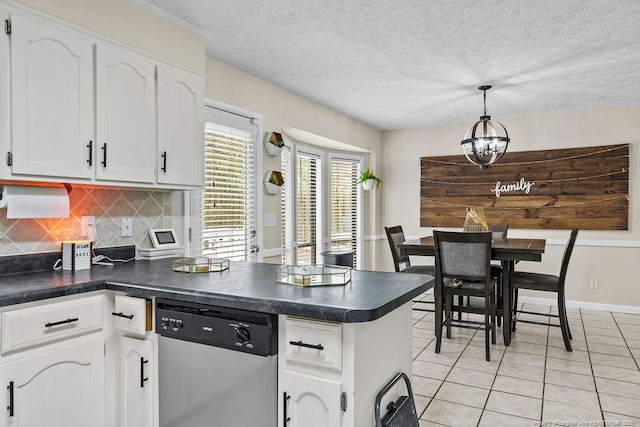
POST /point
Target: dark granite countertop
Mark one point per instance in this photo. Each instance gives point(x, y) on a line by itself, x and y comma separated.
point(250, 286)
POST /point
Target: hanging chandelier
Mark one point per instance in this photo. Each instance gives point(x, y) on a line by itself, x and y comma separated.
point(486, 141)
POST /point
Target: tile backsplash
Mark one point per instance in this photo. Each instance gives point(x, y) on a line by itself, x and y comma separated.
point(149, 209)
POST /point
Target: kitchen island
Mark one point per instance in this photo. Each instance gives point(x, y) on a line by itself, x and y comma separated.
point(361, 331)
point(248, 286)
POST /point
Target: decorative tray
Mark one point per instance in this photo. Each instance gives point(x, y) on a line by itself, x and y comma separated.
point(200, 265)
point(313, 275)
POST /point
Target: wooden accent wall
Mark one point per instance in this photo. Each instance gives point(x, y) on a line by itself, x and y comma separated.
point(584, 187)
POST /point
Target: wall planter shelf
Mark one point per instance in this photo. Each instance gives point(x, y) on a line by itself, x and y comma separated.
point(273, 182)
point(273, 143)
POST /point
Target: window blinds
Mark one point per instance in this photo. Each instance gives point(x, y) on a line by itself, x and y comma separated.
point(229, 198)
point(286, 204)
point(344, 205)
point(306, 208)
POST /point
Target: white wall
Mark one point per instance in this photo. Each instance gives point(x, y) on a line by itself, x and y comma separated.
point(128, 23)
point(281, 108)
point(600, 254)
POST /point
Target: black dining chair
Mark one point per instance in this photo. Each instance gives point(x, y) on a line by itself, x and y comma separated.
point(395, 236)
point(548, 283)
point(463, 269)
point(498, 232)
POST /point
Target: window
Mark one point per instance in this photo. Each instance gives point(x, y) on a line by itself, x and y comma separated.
point(301, 206)
point(286, 206)
point(344, 206)
point(307, 208)
point(302, 201)
point(228, 201)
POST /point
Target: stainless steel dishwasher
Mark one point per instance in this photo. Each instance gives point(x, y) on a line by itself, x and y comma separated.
point(217, 367)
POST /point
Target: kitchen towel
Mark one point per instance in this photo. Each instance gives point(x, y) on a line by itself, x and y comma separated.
point(24, 201)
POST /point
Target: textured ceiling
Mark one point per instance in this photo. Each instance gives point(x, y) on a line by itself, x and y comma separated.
point(401, 64)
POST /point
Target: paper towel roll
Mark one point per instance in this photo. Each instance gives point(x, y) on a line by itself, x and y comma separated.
point(34, 202)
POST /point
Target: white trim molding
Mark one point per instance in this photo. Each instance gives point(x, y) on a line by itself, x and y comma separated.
point(166, 15)
point(550, 242)
point(377, 237)
point(271, 252)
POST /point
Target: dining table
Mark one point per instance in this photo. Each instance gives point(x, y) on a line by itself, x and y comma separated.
point(508, 251)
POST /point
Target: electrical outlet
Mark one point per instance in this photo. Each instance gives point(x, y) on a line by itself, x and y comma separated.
point(269, 220)
point(87, 231)
point(593, 283)
point(126, 226)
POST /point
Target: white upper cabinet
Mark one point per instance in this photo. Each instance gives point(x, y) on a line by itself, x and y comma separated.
point(88, 110)
point(51, 100)
point(180, 127)
point(125, 107)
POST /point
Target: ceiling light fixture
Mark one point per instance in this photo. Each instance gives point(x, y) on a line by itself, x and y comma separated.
point(486, 141)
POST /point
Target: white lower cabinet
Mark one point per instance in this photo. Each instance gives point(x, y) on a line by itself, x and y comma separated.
point(58, 388)
point(68, 362)
point(330, 373)
point(136, 382)
point(312, 401)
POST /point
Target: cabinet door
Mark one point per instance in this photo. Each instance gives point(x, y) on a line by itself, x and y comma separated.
point(180, 127)
point(312, 401)
point(60, 388)
point(51, 100)
point(125, 107)
point(136, 382)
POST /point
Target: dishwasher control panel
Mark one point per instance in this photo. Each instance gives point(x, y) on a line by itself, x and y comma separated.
point(240, 330)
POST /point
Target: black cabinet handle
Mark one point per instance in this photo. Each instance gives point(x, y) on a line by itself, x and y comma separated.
point(90, 147)
point(142, 378)
point(121, 314)
point(10, 407)
point(62, 322)
point(285, 399)
point(304, 344)
point(164, 162)
point(104, 155)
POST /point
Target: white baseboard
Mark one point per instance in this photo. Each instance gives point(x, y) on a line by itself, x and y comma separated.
point(581, 304)
point(576, 304)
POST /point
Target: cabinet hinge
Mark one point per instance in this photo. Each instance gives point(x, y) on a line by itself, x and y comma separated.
point(190, 234)
point(7, 26)
point(9, 158)
point(343, 402)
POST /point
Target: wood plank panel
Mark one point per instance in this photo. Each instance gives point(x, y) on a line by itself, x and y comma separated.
point(584, 187)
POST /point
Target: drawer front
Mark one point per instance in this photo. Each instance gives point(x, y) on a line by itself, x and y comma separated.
point(34, 326)
point(314, 343)
point(132, 314)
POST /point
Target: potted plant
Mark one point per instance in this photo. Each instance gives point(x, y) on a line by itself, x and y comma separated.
point(368, 180)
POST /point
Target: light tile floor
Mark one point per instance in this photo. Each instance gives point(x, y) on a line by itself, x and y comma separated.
point(534, 381)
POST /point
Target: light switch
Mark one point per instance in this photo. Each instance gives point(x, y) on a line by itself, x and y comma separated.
point(269, 220)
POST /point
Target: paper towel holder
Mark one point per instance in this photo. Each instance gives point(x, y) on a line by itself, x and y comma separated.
point(66, 185)
point(19, 205)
